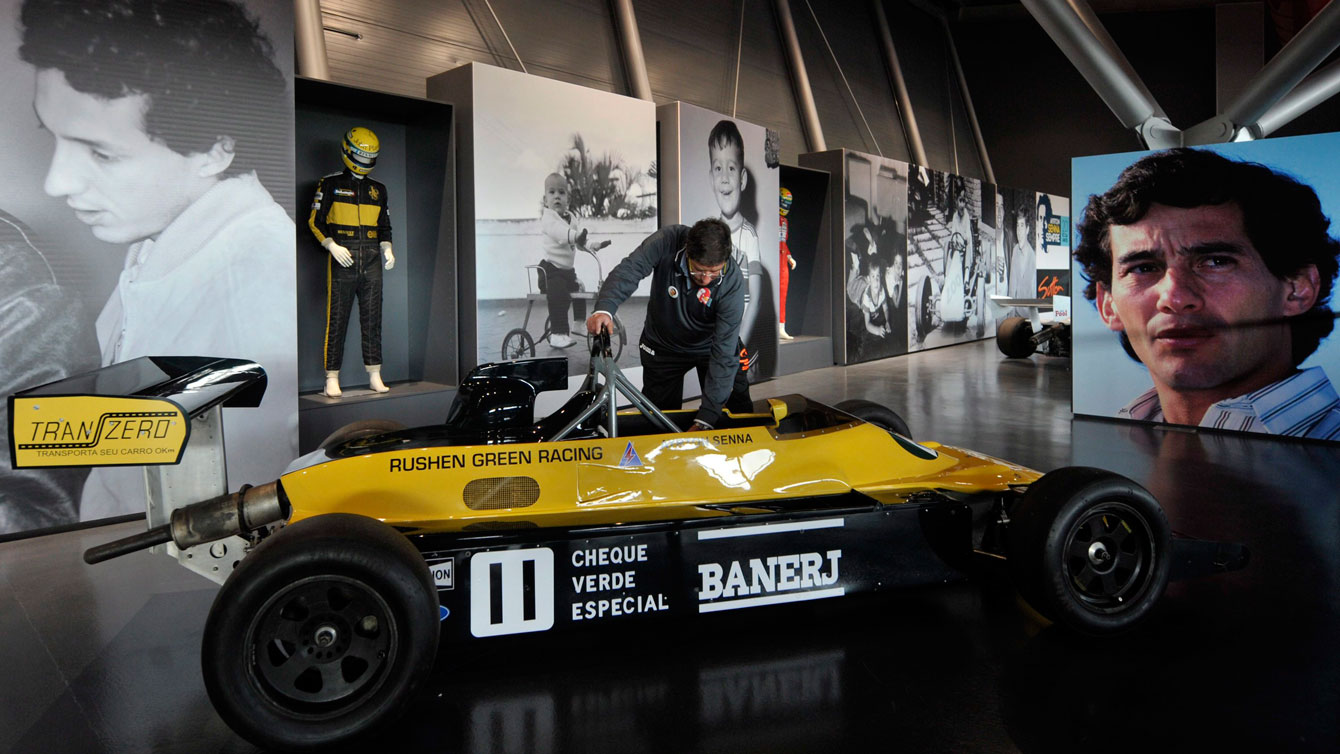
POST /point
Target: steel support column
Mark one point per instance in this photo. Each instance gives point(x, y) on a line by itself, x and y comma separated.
point(1314, 90)
point(988, 174)
point(630, 45)
point(1296, 60)
point(913, 133)
point(800, 80)
point(309, 38)
point(1075, 29)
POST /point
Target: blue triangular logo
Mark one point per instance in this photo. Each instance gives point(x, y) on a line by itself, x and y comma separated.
point(630, 456)
point(442, 613)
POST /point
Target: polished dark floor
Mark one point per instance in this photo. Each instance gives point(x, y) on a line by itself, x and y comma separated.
point(105, 658)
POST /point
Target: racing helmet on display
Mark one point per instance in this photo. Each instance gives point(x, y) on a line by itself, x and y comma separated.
point(785, 201)
point(360, 150)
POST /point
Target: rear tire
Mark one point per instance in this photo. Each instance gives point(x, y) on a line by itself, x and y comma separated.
point(359, 430)
point(323, 633)
point(881, 416)
point(1014, 338)
point(1089, 549)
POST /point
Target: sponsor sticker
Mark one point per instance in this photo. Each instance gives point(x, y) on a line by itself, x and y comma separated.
point(444, 573)
point(630, 457)
point(85, 430)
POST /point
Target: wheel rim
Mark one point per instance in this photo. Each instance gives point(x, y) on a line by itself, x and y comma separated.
point(1108, 557)
point(321, 644)
point(515, 346)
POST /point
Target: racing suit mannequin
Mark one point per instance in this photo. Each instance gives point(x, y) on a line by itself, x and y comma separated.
point(788, 263)
point(351, 218)
point(689, 326)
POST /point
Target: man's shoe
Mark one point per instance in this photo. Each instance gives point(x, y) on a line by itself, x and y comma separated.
point(560, 340)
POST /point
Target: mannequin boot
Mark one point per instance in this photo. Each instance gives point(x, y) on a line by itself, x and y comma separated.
point(332, 385)
point(781, 330)
point(375, 379)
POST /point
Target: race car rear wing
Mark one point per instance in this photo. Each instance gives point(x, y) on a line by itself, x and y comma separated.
point(164, 413)
point(138, 412)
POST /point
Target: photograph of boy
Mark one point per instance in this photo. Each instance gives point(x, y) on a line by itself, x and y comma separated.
point(730, 178)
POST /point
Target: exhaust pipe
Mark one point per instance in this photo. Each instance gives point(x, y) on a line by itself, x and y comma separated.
point(241, 512)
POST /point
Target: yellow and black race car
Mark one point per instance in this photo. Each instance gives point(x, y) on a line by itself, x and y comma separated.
point(497, 523)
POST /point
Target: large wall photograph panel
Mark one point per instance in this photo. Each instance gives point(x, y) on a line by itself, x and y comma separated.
point(724, 169)
point(1203, 281)
point(564, 188)
point(154, 223)
point(875, 256)
point(950, 250)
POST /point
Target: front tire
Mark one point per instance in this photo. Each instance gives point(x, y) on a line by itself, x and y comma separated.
point(1014, 338)
point(1089, 549)
point(518, 344)
point(321, 634)
point(881, 416)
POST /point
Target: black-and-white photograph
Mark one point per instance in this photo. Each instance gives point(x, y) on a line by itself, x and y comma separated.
point(724, 172)
point(1019, 245)
point(564, 189)
point(149, 213)
point(875, 257)
point(949, 254)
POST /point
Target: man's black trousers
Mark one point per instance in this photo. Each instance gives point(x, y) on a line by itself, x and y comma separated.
point(362, 279)
point(663, 379)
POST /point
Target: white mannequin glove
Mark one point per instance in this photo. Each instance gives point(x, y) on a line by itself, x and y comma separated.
point(386, 252)
point(340, 253)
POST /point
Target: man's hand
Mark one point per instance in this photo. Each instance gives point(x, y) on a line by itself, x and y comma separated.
point(340, 253)
point(792, 261)
point(386, 252)
point(599, 321)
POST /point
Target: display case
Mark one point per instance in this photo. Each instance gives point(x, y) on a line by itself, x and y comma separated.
point(419, 299)
point(809, 294)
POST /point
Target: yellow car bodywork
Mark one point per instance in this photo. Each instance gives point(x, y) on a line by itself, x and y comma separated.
point(653, 477)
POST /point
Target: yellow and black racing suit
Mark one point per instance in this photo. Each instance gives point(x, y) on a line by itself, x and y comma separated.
point(355, 213)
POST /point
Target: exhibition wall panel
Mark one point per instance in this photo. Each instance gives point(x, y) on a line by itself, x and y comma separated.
point(517, 135)
point(1207, 280)
point(704, 174)
point(112, 253)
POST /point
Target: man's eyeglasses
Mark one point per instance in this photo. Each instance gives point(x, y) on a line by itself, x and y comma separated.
point(703, 277)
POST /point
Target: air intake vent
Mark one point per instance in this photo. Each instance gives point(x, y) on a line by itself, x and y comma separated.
point(496, 492)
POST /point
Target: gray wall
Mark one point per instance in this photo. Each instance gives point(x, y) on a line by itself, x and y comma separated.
point(1035, 109)
point(690, 50)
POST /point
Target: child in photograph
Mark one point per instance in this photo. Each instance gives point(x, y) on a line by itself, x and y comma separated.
point(725, 150)
point(561, 235)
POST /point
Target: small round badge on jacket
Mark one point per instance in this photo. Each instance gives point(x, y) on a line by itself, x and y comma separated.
point(674, 292)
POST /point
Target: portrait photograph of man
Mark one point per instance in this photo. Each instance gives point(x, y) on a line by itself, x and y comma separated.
point(1209, 275)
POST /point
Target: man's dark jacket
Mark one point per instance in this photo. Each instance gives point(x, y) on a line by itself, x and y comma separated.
point(680, 319)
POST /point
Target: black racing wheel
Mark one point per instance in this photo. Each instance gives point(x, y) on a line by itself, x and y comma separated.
point(359, 430)
point(925, 313)
point(1089, 549)
point(518, 345)
point(321, 634)
point(876, 414)
point(620, 338)
point(1014, 338)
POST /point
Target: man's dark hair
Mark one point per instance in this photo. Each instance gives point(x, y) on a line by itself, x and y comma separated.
point(709, 242)
point(205, 66)
point(1282, 218)
point(725, 134)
